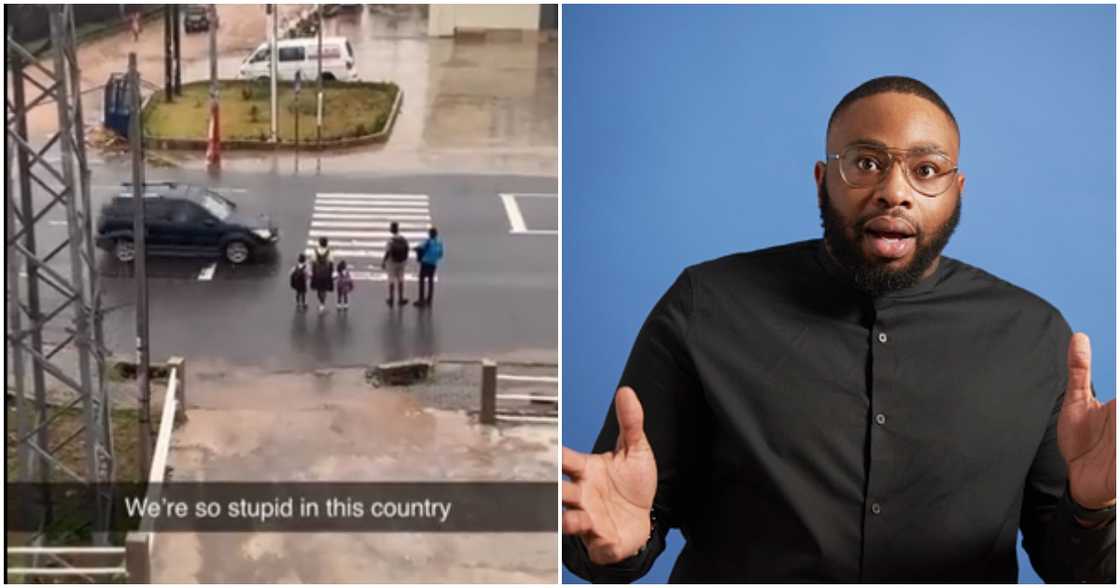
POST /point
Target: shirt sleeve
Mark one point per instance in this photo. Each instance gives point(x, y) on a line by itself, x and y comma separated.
point(661, 372)
point(1060, 549)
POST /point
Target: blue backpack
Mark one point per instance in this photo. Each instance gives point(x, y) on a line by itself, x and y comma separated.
point(433, 252)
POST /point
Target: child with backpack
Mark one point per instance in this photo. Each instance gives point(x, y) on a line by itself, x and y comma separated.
point(298, 280)
point(344, 286)
point(393, 262)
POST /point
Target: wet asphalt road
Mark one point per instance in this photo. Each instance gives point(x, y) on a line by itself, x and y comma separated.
point(497, 292)
point(475, 108)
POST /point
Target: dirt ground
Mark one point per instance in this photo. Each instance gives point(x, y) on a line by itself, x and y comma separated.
point(330, 425)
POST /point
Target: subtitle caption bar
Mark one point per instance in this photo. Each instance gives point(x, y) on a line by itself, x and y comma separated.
point(457, 507)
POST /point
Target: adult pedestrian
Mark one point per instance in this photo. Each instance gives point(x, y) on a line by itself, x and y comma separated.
point(394, 261)
point(322, 272)
point(428, 254)
point(134, 25)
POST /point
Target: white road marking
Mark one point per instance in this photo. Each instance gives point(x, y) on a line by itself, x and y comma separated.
point(362, 234)
point(535, 194)
point(358, 227)
point(207, 272)
point(350, 196)
point(516, 221)
point(418, 211)
point(387, 217)
point(356, 224)
point(367, 204)
point(348, 253)
point(383, 277)
point(350, 243)
point(57, 223)
point(370, 202)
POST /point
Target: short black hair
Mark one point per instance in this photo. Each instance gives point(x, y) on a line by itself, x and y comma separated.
point(899, 84)
point(432, 232)
point(394, 227)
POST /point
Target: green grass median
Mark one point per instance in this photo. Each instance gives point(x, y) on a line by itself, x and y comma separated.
point(350, 109)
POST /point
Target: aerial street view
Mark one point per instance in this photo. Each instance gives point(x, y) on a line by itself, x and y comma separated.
point(281, 293)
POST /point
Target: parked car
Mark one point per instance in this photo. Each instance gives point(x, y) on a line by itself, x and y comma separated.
point(184, 220)
point(302, 55)
point(196, 18)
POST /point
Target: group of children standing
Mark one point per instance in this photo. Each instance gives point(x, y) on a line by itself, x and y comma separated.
point(325, 277)
point(322, 274)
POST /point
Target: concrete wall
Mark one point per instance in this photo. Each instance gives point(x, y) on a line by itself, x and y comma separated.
point(443, 19)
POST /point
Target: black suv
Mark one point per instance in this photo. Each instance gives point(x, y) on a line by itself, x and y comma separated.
point(184, 220)
point(196, 18)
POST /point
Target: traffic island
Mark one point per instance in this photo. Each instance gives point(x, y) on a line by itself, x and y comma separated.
point(354, 113)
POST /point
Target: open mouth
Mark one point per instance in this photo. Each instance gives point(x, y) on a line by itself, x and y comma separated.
point(891, 238)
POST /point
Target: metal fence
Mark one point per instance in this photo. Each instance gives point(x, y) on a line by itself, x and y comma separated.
point(492, 409)
point(133, 560)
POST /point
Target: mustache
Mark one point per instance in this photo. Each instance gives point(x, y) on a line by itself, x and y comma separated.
point(898, 213)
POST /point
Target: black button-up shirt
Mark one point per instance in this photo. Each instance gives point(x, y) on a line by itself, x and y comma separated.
point(806, 432)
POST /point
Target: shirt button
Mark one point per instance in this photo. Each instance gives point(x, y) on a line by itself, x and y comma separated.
point(881, 418)
point(875, 508)
point(882, 337)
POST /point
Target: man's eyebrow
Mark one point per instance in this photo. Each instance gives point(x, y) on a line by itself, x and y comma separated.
point(925, 147)
point(867, 143)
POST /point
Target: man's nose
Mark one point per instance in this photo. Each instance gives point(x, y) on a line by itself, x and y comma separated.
point(895, 189)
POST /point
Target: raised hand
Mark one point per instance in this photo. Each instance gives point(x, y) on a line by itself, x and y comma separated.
point(1087, 433)
point(610, 495)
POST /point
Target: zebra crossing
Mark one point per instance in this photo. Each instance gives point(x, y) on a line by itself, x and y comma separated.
point(357, 227)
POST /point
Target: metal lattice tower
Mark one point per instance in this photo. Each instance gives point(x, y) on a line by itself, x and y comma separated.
point(46, 280)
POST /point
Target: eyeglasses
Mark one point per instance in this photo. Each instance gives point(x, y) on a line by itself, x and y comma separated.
point(864, 166)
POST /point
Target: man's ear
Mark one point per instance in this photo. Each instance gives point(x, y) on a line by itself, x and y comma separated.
point(820, 172)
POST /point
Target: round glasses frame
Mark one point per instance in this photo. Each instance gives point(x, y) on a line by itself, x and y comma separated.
point(893, 158)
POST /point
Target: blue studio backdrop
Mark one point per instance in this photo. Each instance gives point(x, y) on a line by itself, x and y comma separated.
point(690, 132)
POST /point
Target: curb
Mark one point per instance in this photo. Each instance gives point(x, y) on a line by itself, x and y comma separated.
point(381, 136)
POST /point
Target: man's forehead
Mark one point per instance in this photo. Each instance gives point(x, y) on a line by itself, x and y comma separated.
point(896, 120)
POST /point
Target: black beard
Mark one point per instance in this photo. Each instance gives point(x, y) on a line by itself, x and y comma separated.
point(873, 277)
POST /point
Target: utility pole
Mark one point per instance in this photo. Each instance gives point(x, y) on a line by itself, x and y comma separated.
point(319, 98)
point(296, 88)
point(36, 468)
point(214, 148)
point(213, 46)
point(167, 76)
point(274, 42)
point(75, 364)
point(139, 234)
point(177, 24)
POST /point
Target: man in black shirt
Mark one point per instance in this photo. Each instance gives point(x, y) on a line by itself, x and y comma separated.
point(857, 408)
